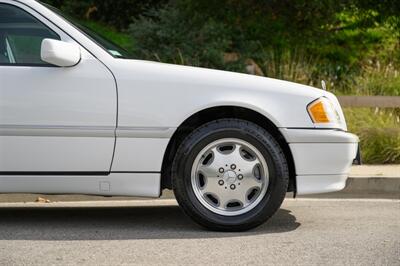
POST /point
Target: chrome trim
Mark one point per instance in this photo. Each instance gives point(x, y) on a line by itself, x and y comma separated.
point(145, 132)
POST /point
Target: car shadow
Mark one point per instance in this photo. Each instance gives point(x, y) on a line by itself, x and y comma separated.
point(118, 223)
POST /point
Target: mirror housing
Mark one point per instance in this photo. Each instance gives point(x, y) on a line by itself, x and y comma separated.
point(60, 53)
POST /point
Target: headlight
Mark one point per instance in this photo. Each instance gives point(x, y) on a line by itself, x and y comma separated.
point(323, 112)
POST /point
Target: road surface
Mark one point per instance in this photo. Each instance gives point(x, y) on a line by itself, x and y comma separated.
point(304, 231)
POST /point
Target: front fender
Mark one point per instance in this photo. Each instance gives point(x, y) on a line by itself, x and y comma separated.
point(160, 95)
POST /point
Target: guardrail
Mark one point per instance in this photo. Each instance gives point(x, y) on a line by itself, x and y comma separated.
point(370, 101)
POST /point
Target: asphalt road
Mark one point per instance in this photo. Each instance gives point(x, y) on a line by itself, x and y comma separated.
point(305, 231)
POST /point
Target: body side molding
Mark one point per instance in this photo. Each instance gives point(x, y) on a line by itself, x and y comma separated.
point(145, 132)
point(56, 131)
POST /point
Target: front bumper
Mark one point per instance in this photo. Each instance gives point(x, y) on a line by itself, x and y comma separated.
point(322, 158)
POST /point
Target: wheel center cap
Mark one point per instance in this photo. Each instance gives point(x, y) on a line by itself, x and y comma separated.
point(230, 176)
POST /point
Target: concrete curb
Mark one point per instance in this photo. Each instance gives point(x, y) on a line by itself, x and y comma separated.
point(373, 185)
point(372, 171)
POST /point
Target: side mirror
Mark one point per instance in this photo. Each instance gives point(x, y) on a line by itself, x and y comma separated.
point(60, 53)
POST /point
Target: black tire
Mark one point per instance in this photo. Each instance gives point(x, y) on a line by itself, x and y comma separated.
point(230, 128)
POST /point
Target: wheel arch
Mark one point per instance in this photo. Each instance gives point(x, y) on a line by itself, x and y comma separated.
point(219, 112)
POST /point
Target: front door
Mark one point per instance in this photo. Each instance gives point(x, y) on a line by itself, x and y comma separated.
point(52, 119)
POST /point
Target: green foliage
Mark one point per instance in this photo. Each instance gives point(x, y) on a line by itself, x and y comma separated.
point(379, 11)
point(180, 38)
point(377, 80)
point(124, 40)
point(118, 14)
point(379, 132)
point(244, 27)
point(301, 41)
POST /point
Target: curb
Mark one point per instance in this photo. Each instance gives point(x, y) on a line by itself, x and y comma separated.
point(373, 185)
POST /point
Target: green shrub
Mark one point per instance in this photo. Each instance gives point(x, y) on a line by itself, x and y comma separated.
point(200, 32)
point(175, 37)
point(380, 146)
point(117, 14)
point(378, 80)
point(121, 38)
point(379, 132)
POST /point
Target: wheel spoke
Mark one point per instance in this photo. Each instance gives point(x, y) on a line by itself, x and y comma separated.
point(224, 198)
point(211, 186)
point(212, 169)
point(222, 194)
point(236, 151)
point(241, 191)
point(250, 182)
point(239, 195)
point(247, 167)
point(208, 170)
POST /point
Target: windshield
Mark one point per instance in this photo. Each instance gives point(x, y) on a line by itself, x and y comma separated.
point(112, 48)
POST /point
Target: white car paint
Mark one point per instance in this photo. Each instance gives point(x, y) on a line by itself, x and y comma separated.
point(118, 116)
point(60, 53)
point(57, 119)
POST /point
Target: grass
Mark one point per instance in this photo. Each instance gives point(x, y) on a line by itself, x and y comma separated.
point(373, 78)
point(377, 80)
point(379, 132)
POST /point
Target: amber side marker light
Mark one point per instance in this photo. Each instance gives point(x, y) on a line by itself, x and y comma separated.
point(318, 112)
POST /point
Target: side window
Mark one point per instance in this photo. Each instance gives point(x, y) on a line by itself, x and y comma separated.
point(21, 37)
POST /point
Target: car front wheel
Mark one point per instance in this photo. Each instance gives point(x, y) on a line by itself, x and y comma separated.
point(230, 175)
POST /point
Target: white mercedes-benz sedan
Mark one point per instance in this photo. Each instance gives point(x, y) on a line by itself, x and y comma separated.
point(77, 116)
